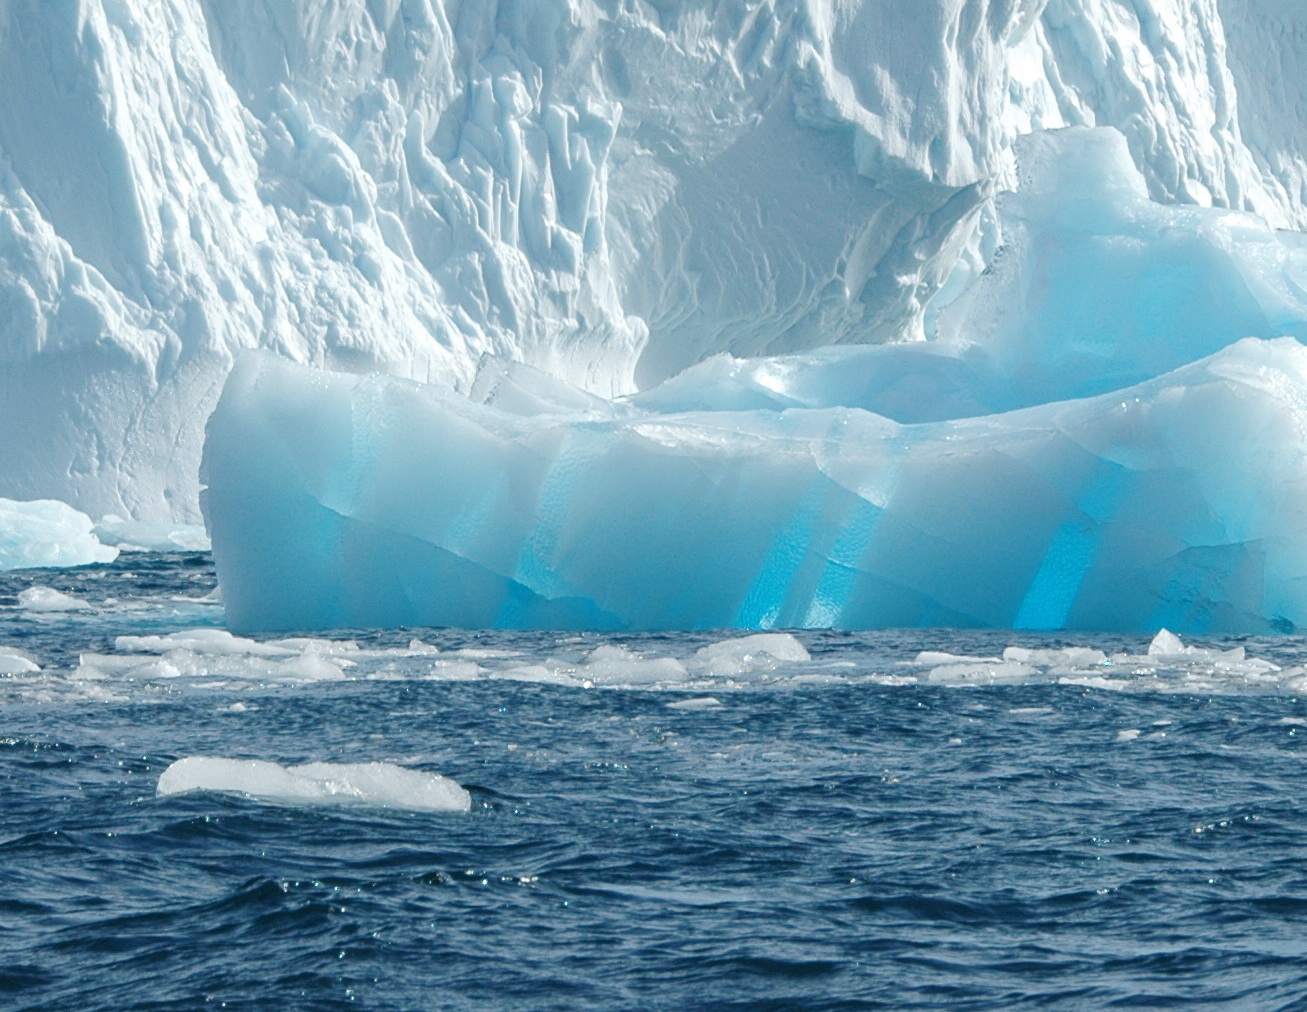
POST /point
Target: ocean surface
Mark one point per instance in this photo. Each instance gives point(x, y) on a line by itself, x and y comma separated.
point(690, 821)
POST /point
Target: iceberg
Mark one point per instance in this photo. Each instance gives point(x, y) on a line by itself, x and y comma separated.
point(337, 500)
point(46, 533)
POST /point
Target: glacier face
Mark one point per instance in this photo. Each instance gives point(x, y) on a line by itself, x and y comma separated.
point(608, 191)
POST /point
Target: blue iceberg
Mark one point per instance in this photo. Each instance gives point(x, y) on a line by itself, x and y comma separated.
point(338, 501)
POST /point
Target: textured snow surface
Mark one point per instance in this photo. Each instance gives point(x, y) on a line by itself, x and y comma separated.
point(45, 533)
point(606, 191)
point(375, 783)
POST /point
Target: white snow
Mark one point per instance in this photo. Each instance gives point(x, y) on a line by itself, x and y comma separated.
point(603, 190)
point(375, 783)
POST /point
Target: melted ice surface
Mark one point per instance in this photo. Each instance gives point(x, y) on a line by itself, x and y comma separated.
point(374, 783)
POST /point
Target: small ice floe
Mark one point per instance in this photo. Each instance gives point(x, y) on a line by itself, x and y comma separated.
point(214, 642)
point(984, 673)
point(17, 662)
point(745, 655)
point(1130, 734)
point(1065, 659)
point(47, 599)
point(382, 784)
point(1169, 665)
point(697, 703)
point(614, 665)
point(609, 664)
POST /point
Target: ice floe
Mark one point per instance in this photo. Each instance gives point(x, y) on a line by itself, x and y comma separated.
point(374, 783)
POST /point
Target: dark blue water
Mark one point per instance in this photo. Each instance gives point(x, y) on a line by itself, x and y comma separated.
point(811, 843)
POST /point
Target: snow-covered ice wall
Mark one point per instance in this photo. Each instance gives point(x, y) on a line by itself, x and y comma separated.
point(606, 190)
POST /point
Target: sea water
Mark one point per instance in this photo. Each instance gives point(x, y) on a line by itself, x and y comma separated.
point(923, 819)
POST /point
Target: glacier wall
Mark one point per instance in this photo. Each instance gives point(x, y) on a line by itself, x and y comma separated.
point(608, 191)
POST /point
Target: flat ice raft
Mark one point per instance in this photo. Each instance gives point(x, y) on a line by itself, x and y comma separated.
point(381, 784)
point(338, 501)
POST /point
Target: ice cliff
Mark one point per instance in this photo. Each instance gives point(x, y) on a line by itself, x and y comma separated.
point(596, 192)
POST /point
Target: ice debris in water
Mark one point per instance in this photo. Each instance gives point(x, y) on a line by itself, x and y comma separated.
point(375, 783)
point(46, 534)
point(47, 599)
point(212, 659)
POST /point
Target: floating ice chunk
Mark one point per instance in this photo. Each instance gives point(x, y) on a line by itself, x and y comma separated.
point(346, 501)
point(204, 641)
point(1067, 658)
point(749, 654)
point(937, 657)
point(697, 703)
point(1165, 644)
point(376, 783)
point(47, 599)
point(145, 536)
point(13, 662)
point(45, 534)
point(610, 664)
